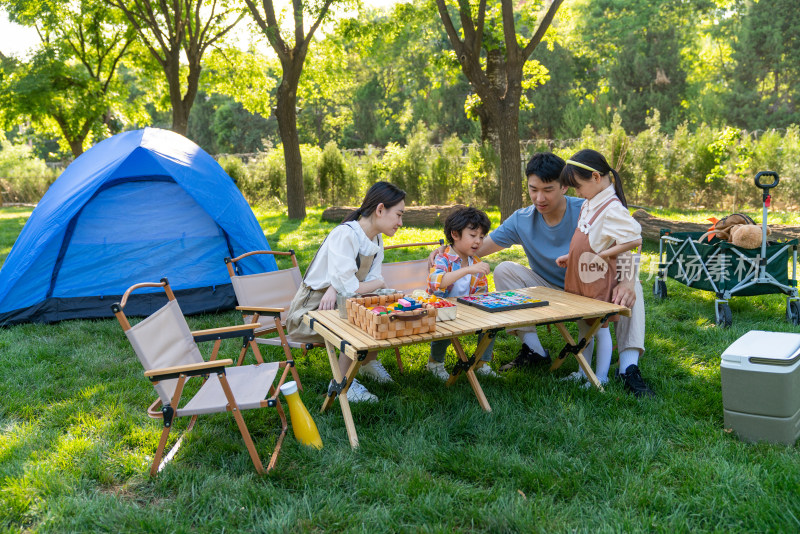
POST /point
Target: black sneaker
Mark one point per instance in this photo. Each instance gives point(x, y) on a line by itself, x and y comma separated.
point(632, 378)
point(527, 358)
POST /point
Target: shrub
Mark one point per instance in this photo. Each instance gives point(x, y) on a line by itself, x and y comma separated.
point(443, 184)
point(479, 177)
point(266, 182)
point(23, 176)
point(234, 168)
point(337, 183)
point(311, 157)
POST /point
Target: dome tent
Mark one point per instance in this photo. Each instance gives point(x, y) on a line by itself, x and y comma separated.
point(136, 207)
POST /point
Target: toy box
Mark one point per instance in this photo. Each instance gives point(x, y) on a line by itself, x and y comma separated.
point(760, 375)
point(388, 325)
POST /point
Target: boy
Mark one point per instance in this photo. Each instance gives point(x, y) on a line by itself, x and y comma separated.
point(457, 272)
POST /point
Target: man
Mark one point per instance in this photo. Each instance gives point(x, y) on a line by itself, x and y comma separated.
point(544, 231)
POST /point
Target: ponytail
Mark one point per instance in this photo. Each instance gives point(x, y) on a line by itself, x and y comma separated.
point(380, 193)
point(618, 188)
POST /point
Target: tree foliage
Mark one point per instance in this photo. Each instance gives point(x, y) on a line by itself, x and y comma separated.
point(180, 29)
point(71, 84)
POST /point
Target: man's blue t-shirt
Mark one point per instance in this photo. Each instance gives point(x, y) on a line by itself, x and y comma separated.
point(542, 243)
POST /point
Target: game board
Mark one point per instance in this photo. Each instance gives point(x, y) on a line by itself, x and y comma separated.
point(502, 301)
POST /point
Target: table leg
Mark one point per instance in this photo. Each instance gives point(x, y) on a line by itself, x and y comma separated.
point(473, 380)
point(337, 376)
point(579, 355)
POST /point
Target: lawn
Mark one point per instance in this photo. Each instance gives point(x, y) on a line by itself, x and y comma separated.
point(76, 443)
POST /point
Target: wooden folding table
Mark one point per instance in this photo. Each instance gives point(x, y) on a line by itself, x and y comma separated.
point(340, 334)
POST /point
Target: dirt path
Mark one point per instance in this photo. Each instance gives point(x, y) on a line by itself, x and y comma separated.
point(651, 227)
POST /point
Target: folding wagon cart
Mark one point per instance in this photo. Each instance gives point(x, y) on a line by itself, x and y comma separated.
point(727, 270)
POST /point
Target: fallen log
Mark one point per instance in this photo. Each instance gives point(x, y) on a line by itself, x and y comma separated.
point(651, 227)
point(413, 215)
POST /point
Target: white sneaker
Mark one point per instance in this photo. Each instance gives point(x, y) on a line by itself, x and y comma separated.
point(376, 371)
point(574, 376)
point(437, 369)
point(485, 370)
point(358, 393)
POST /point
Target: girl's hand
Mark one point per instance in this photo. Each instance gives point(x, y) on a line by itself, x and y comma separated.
point(328, 301)
point(561, 261)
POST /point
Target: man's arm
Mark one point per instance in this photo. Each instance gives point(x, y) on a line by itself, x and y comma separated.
point(487, 247)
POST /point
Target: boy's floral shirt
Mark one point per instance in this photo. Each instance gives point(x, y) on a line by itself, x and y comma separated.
point(447, 262)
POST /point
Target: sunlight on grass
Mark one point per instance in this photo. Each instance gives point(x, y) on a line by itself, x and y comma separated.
point(76, 443)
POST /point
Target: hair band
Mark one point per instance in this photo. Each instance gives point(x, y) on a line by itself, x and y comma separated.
point(582, 166)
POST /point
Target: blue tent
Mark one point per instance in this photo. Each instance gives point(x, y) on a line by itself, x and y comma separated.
point(137, 207)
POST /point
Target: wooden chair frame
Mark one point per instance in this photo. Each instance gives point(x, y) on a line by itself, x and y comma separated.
point(254, 313)
point(203, 370)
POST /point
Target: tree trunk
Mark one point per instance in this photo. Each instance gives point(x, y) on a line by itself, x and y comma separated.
point(286, 114)
point(510, 176)
point(496, 73)
point(180, 118)
point(76, 146)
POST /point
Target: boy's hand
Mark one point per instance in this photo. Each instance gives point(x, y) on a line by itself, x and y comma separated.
point(561, 261)
point(480, 268)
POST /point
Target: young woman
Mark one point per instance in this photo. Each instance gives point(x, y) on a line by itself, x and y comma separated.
point(349, 261)
point(605, 230)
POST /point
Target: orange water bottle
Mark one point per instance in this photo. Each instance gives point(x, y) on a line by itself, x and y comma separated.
point(305, 430)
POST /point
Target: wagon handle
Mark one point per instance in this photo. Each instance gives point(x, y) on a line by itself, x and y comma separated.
point(757, 180)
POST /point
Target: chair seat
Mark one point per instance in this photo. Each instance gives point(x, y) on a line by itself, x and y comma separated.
point(250, 385)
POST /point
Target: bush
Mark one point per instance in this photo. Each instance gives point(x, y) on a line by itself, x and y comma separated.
point(337, 183)
point(266, 178)
point(23, 176)
point(235, 168)
point(443, 183)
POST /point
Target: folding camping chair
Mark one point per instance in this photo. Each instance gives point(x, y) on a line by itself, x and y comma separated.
point(168, 351)
point(406, 276)
point(268, 295)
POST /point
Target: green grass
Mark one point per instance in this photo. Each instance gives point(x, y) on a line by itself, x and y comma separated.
point(76, 443)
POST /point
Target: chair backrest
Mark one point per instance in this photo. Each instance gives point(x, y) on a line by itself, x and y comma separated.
point(164, 340)
point(406, 276)
point(275, 289)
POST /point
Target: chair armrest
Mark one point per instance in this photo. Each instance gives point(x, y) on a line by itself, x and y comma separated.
point(263, 310)
point(200, 368)
point(226, 332)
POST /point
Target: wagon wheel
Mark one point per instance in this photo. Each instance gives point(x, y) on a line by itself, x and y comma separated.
point(793, 312)
point(724, 317)
point(660, 289)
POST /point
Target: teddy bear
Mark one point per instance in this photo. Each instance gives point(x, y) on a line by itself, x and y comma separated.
point(747, 235)
point(738, 229)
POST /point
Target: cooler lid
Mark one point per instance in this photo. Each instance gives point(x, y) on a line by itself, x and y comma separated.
point(766, 348)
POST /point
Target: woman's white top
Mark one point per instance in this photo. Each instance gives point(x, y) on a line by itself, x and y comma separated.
point(335, 262)
point(614, 226)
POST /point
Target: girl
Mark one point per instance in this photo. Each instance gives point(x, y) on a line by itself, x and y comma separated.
point(349, 261)
point(605, 230)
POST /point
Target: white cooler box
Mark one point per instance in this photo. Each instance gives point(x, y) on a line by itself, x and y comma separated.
point(760, 375)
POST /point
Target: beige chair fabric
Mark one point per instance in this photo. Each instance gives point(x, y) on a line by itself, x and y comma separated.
point(406, 276)
point(275, 289)
point(164, 340)
point(250, 385)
